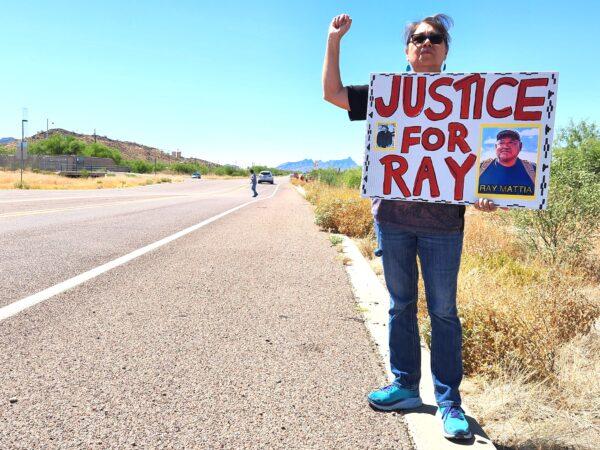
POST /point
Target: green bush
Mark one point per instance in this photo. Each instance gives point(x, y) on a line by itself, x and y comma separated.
point(140, 166)
point(21, 185)
point(564, 231)
point(349, 178)
point(328, 176)
point(231, 171)
point(276, 172)
point(352, 178)
point(102, 151)
point(187, 168)
point(57, 144)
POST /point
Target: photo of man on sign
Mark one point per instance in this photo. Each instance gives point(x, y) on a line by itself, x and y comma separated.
point(508, 172)
point(386, 136)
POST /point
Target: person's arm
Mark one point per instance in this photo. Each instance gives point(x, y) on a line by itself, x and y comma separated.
point(333, 89)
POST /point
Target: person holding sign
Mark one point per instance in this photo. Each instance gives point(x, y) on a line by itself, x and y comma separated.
point(507, 174)
point(432, 231)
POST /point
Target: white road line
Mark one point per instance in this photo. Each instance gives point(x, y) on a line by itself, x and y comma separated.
point(117, 197)
point(20, 305)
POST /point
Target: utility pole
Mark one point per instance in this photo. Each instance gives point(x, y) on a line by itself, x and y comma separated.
point(23, 121)
point(47, 126)
point(94, 135)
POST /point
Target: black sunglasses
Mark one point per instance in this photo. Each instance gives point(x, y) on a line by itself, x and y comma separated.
point(434, 38)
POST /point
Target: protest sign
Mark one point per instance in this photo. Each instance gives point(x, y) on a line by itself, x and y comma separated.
point(457, 137)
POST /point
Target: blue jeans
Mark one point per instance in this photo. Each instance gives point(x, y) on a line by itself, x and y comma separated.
point(254, 190)
point(440, 260)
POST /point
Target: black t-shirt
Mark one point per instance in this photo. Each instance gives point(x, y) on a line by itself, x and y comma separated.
point(415, 216)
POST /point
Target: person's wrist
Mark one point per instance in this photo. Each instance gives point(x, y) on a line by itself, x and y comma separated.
point(334, 38)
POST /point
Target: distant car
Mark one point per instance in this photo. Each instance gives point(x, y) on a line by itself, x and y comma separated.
point(196, 175)
point(265, 177)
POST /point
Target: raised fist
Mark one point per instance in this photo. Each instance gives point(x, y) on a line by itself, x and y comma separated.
point(340, 25)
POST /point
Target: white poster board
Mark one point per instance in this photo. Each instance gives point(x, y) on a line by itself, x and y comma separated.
point(457, 137)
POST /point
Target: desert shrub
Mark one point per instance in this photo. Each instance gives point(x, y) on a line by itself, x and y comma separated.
point(273, 170)
point(187, 168)
point(355, 218)
point(523, 324)
point(326, 213)
point(102, 151)
point(366, 246)
point(352, 178)
point(560, 414)
point(330, 177)
point(335, 239)
point(22, 185)
point(57, 144)
point(297, 182)
point(232, 171)
point(140, 166)
point(563, 233)
point(84, 173)
point(340, 210)
point(514, 308)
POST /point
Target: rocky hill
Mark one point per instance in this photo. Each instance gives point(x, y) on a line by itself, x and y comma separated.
point(129, 150)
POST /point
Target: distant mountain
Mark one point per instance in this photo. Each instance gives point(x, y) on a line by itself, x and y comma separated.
point(6, 140)
point(306, 165)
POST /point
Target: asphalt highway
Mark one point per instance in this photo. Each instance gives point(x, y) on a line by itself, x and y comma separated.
point(242, 333)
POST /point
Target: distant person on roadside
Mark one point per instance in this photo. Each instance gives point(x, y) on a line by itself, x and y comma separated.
point(432, 231)
point(253, 182)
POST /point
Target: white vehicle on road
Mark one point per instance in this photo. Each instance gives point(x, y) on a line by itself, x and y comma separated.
point(265, 177)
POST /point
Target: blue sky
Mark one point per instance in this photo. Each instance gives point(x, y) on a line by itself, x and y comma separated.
point(240, 82)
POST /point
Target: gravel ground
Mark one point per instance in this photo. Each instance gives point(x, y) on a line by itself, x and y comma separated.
point(243, 334)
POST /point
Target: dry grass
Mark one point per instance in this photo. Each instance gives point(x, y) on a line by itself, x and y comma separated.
point(340, 210)
point(377, 267)
point(514, 308)
point(530, 342)
point(558, 415)
point(11, 180)
point(367, 246)
point(297, 181)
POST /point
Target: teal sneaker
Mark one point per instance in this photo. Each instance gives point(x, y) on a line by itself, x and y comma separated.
point(454, 423)
point(392, 397)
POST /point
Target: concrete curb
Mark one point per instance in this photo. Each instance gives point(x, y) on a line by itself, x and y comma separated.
point(373, 301)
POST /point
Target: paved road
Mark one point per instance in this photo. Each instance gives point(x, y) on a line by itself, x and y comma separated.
point(243, 333)
point(50, 236)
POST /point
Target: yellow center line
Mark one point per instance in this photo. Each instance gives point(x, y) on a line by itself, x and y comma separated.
point(100, 205)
